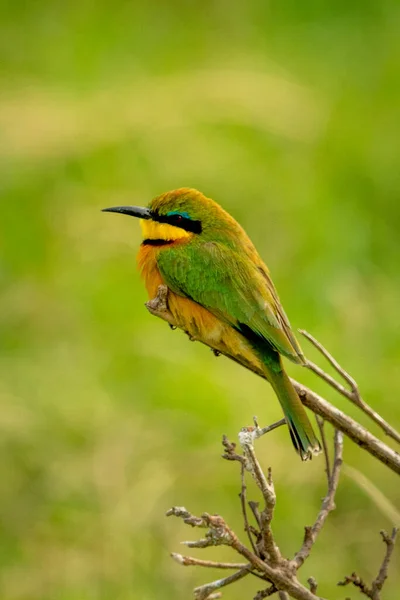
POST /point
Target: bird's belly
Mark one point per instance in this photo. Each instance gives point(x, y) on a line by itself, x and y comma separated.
point(197, 321)
point(205, 327)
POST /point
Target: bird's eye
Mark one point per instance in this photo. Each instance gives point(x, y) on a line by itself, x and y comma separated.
point(178, 219)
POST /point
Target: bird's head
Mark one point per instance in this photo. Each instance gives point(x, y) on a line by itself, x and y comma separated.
point(181, 215)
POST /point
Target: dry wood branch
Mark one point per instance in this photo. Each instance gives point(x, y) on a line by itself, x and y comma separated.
point(158, 307)
point(378, 583)
point(356, 432)
point(265, 484)
point(243, 501)
point(374, 592)
point(190, 561)
point(260, 431)
point(354, 393)
point(204, 592)
point(281, 575)
point(321, 427)
point(313, 584)
point(265, 561)
point(328, 504)
point(265, 593)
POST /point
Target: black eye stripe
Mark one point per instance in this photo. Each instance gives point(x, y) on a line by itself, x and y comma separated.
point(179, 221)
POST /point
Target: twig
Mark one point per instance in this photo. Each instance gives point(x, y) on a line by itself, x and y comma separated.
point(231, 454)
point(262, 431)
point(188, 518)
point(204, 591)
point(378, 583)
point(357, 582)
point(190, 561)
point(321, 427)
point(244, 510)
point(356, 432)
point(254, 508)
point(265, 593)
point(374, 592)
point(266, 486)
point(352, 383)
point(313, 584)
point(328, 504)
point(353, 394)
point(230, 451)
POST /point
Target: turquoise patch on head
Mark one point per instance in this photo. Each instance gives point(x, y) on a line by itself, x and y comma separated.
point(177, 212)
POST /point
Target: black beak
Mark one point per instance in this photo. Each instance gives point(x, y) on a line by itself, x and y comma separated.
point(133, 211)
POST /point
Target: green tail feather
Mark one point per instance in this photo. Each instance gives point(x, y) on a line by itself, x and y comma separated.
point(301, 431)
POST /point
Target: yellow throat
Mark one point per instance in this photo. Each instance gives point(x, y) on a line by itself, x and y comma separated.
point(152, 230)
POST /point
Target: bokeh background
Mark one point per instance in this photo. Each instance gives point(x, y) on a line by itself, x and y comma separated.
point(286, 113)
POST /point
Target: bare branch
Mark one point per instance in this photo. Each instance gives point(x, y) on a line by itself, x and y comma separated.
point(357, 582)
point(204, 591)
point(313, 584)
point(378, 583)
point(188, 518)
point(230, 451)
point(353, 385)
point(374, 592)
point(244, 510)
point(328, 504)
point(258, 432)
point(281, 575)
point(267, 489)
point(190, 561)
point(356, 432)
point(353, 394)
point(265, 593)
point(321, 427)
point(254, 508)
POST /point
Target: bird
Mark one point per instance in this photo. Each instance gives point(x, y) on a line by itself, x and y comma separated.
point(221, 293)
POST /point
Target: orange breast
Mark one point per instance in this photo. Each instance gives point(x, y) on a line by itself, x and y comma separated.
point(196, 320)
point(147, 264)
point(189, 315)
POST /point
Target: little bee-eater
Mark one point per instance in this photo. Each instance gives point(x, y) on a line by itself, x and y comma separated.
point(220, 292)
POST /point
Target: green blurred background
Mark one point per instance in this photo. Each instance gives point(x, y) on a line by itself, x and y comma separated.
point(286, 113)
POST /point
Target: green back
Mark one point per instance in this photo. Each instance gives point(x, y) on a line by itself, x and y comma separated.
point(223, 278)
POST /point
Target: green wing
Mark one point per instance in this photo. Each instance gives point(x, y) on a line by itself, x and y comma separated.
point(232, 287)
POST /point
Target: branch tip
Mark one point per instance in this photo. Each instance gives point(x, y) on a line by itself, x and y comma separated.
point(353, 394)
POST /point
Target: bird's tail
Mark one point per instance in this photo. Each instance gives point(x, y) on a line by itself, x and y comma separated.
point(300, 428)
